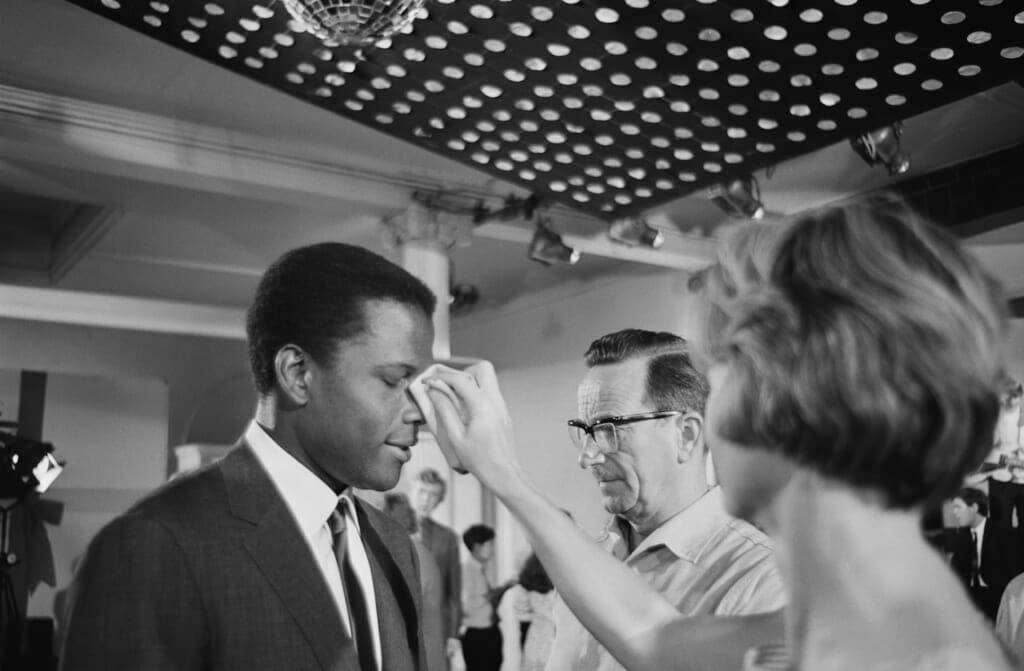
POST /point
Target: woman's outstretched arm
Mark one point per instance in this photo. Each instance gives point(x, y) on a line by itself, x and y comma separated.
point(633, 621)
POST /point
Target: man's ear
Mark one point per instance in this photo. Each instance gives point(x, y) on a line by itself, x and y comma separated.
point(691, 436)
point(293, 370)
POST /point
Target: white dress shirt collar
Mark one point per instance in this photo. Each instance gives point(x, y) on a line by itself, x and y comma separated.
point(308, 497)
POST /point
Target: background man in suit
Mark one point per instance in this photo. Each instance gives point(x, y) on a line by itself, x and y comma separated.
point(986, 555)
point(266, 560)
point(428, 491)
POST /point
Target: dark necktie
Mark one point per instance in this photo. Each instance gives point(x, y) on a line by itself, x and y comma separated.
point(975, 559)
point(359, 615)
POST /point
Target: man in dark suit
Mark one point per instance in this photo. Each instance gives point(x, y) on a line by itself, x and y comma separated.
point(266, 560)
point(428, 491)
point(985, 555)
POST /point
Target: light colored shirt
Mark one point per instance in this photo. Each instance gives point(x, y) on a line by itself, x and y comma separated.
point(702, 560)
point(1010, 619)
point(311, 503)
point(477, 611)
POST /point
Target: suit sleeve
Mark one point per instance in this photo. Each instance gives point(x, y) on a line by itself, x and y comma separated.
point(134, 603)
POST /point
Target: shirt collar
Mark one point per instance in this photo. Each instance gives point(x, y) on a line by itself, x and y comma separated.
point(308, 497)
point(687, 533)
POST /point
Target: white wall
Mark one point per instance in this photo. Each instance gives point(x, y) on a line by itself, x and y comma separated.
point(537, 346)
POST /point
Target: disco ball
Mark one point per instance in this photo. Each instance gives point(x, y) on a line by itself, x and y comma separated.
point(359, 22)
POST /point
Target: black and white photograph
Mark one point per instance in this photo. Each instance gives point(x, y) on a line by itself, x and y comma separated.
point(511, 335)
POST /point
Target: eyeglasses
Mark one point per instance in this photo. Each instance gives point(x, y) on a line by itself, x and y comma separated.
point(604, 433)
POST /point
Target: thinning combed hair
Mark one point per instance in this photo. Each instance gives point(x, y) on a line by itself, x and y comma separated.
point(673, 383)
point(861, 342)
point(313, 297)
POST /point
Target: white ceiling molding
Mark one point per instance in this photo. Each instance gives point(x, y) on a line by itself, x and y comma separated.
point(61, 131)
point(120, 312)
point(67, 132)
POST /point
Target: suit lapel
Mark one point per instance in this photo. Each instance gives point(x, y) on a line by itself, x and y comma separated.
point(397, 593)
point(277, 547)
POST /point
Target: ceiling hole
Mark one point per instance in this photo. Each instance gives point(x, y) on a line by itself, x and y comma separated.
point(481, 12)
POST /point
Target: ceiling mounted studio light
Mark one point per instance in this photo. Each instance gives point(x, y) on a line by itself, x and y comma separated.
point(547, 247)
point(354, 22)
point(883, 146)
point(740, 197)
point(635, 231)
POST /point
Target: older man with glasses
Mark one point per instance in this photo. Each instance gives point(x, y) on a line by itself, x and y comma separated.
point(641, 435)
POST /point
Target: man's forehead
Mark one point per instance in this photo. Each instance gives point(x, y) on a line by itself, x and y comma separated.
point(613, 388)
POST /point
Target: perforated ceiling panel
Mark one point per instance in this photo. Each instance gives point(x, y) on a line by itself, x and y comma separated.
point(613, 107)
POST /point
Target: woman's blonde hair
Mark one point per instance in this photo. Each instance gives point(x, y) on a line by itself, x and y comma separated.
point(862, 342)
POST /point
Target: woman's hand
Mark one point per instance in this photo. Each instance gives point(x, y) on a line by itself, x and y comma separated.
point(473, 422)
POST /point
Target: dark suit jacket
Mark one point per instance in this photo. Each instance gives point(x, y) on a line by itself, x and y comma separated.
point(212, 572)
point(1000, 556)
point(444, 546)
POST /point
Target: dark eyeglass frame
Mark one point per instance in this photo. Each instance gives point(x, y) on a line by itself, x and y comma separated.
point(614, 421)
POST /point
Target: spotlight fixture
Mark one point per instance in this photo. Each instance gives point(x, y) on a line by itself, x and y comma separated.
point(513, 208)
point(740, 197)
point(547, 247)
point(883, 146)
point(26, 465)
point(635, 231)
point(462, 297)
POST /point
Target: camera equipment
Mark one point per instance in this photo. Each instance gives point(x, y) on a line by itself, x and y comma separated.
point(26, 466)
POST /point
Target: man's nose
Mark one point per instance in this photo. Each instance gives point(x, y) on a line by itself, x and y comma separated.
point(411, 413)
point(590, 453)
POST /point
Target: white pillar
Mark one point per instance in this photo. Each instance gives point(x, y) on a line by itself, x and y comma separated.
point(423, 238)
point(428, 260)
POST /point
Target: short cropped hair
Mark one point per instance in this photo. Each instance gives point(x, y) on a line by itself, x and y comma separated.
point(533, 577)
point(478, 534)
point(861, 342)
point(313, 297)
point(429, 476)
point(672, 381)
point(974, 497)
